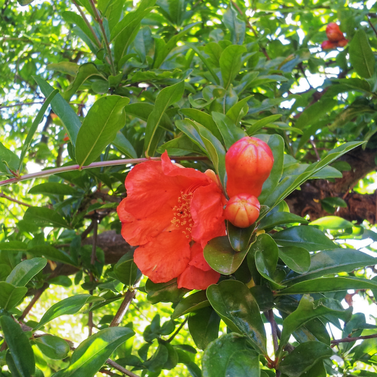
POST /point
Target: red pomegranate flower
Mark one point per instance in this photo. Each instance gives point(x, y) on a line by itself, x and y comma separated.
point(171, 213)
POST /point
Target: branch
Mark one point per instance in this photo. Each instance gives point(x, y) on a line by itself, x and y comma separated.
point(120, 368)
point(2, 195)
point(177, 331)
point(129, 296)
point(20, 104)
point(349, 340)
point(98, 164)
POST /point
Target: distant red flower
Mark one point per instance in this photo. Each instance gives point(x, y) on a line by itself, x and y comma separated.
point(335, 37)
point(171, 213)
point(327, 45)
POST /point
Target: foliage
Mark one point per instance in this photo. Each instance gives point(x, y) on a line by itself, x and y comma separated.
point(91, 88)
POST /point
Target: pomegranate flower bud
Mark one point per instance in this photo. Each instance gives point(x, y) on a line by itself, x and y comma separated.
point(242, 210)
point(327, 45)
point(343, 43)
point(248, 164)
point(333, 32)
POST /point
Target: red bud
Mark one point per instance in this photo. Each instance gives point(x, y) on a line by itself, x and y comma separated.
point(333, 32)
point(248, 164)
point(343, 42)
point(327, 45)
point(242, 210)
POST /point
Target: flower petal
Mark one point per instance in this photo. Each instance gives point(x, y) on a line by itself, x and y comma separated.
point(165, 257)
point(194, 278)
point(197, 258)
point(208, 213)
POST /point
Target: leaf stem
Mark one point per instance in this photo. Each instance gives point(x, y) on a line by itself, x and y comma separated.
point(120, 368)
point(177, 331)
point(349, 339)
point(93, 165)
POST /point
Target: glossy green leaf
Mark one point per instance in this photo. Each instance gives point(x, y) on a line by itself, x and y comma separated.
point(25, 271)
point(207, 64)
point(236, 26)
point(229, 131)
point(181, 145)
point(15, 246)
point(278, 218)
point(256, 126)
point(307, 310)
point(239, 238)
point(361, 55)
point(276, 143)
point(19, 346)
point(266, 254)
point(51, 253)
point(9, 161)
point(331, 284)
point(10, 295)
point(165, 98)
point(124, 145)
point(230, 356)
point(93, 352)
point(70, 305)
point(34, 126)
point(62, 109)
point(220, 255)
point(296, 258)
point(291, 182)
point(304, 357)
point(238, 308)
point(189, 129)
point(307, 237)
point(164, 292)
point(68, 68)
point(334, 261)
point(85, 72)
point(332, 222)
point(104, 119)
point(41, 216)
point(204, 119)
point(238, 110)
point(126, 270)
point(196, 301)
point(53, 188)
point(230, 63)
point(52, 346)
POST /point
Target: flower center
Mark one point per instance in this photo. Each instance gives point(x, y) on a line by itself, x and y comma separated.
point(182, 215)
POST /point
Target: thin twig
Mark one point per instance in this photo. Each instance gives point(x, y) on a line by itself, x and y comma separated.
point(349, 339)
point(120, 368)
point(36, 297)
point(98, 164)
point(177, 331)
point(94, 247)
point(20, 104)
point(2, 195)
point(315, 149)
point(128, 297)
point(273, 324)
point(371, 25)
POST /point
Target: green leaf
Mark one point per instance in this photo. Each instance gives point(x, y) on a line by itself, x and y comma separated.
point(361, 55)
point(236, 26)
point(164, 292)
point(266, 256)
point(8, 160)
point(196, 301)
point(85, 72)
point(93, 352)
point(237, 307)
point(189, 129)
point(126, 270)
point(278, 218)
point(165, 98)
point(104, 119)
point(51, 253)
point(220, 255)
point(70, 305)
point(10, 295)
point(52, 346)
point(66, 67)
point(229, 131)
point(331, 284)
point(332, 222)
point(307, 237)
point(239, 238)
point(334, 261)
point(53, 188)
point(230, 64)
point(25, 271)
point(230, 356)
point(204, 326)
point(179, 146)
point(315, 112)
point(204, 119)
point(276, 143)
point(41, 216)
point(19, 346)
point(304, 357)
point(70, 120)
point(296, 258)
point(13, 246)
point(34, 126)
point(307, 310)
point(122, 143)
point(256, 126)
point(238, 110)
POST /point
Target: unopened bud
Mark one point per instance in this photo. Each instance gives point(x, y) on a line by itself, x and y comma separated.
point(248, 164)
point(242, 210)
point(333, 32)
